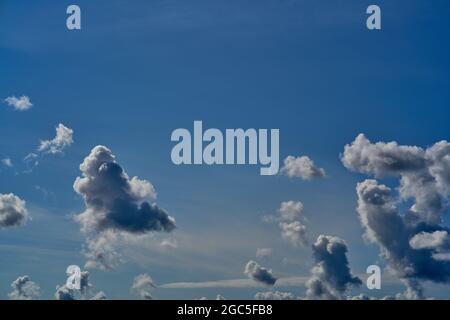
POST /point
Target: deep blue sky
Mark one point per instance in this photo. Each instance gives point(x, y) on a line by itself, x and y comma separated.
point(139, 69)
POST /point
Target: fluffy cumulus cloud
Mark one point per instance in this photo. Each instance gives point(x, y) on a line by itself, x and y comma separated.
point(142, 286)
point(116, 206)
point(260, 274)
point(274, 295)
point(301, 167)
point(331, 275)
point(414, 242)
point(290, 210)
point(62, 140)
point(24, 289)
point(13, 211)
point(21, 104)
point(294, 233)
point(291, 226)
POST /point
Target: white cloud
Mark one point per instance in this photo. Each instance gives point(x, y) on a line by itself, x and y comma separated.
point(21, 104)
point(301, 167)
point(7, 162)
point(99, 296)
point(274, 295)
point(62, 140)
point(294, 233)
point(142, 285)
point(429, 240)
point(169, 243)
point(235, 283)
point(291, 210)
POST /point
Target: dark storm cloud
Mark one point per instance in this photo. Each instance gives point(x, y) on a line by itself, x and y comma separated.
point(331, 275)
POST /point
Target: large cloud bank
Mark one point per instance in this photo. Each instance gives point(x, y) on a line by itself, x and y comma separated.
point(414, 242)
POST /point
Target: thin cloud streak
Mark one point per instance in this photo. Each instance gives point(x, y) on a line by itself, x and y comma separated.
point(234, 283)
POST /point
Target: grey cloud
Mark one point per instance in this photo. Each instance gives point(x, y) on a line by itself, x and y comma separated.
point(423, 173)
point(301, 167)
point(13, 211)
point(395, 233)
point(63, 293)
point(331, 275)
point(24, 289)
point(115, 205)
point(413, 242)
point(259, 274)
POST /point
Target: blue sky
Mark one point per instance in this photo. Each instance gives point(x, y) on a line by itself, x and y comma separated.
point(138, 70)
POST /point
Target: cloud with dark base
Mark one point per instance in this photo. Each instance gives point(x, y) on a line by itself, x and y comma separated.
point(13, 211)
point(260, 274)
point(331, 275)
point(115, 206)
